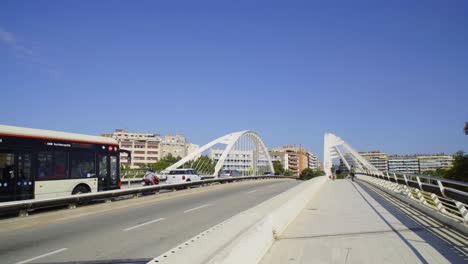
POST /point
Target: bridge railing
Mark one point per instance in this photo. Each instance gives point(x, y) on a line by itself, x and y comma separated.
point(24, 206)
point(445, 196)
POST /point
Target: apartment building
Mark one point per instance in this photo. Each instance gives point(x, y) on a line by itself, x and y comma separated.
point(434, 162)
point(313, 161)
point(145, 147)
point(176, 145)
point(378, 159)
point(241, 160)
point(403, 164)
point(293, 158)
point(149, 148)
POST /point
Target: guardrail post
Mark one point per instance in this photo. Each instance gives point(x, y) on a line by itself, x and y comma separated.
point(392, 185)
point(397, 185)
point(441, 187)
point(23, 213)
point(421, 197)
point(438, 203)
point(406, 179)
point(419, 182)
point(464, 213)
point(406, 187)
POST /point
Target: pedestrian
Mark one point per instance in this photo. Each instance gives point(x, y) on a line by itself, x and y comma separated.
point(352, 172)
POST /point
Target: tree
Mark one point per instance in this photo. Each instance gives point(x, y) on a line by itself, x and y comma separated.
point(287, 173)
point(309, 173)
point(459, 170)
point(163, 163)
point(440, 172)
point(466, 128)
point(278, 167)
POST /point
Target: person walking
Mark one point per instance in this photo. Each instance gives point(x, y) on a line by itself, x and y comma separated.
point(352, 172)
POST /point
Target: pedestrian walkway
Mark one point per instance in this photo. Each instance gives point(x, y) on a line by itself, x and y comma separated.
point(354, 222)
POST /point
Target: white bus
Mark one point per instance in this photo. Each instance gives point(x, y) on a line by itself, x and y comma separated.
point(37, 163)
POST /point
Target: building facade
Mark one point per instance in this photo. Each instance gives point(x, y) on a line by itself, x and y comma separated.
point(378, 159)
point(434, 162)
point(293, 158)
point(403, 164)
point(313, 161)
point(147, 148)
point(177, 146)
point(241, 160)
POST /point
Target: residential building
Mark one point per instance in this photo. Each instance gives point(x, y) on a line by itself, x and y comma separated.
point(149, 148)
point(403, 164)
point(434, 162)
point(293, 158)
point(378, 159)
point(175, 145)
point(241, 160)
point(313, 161)
point(145, 147)
point(281, 157)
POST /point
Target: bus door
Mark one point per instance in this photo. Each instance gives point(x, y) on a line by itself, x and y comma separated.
point(16, 180)
point(103, 175)
point(108, 177)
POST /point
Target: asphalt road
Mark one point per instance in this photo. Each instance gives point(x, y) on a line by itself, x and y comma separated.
point(140, 228)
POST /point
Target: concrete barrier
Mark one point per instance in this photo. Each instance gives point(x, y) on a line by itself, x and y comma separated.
point(246, 237)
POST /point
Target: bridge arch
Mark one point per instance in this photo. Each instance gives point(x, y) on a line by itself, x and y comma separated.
point(243, 150)
point(335, 147)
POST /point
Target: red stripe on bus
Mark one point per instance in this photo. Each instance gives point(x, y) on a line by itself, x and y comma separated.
point(58, 139)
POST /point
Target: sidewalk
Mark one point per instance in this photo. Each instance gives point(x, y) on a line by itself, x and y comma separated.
point(348, 223)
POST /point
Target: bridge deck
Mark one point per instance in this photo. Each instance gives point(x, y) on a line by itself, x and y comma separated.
point(354, 222)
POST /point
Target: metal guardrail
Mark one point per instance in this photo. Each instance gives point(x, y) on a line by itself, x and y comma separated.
point(27, 205)
point(429, 191)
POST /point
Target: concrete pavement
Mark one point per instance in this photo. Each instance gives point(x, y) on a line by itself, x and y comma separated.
point(353, 222)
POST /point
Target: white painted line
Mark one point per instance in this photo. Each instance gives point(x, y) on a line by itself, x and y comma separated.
point(41, 256)
point(140, 225)
point(251, 191)
point(196, 208)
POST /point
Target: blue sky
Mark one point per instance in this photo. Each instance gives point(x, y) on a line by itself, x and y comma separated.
point(390, 75)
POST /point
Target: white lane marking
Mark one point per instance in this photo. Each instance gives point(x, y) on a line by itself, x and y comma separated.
point(196, 208)
point(140, 225)
point(41, 256)
point(251, 191)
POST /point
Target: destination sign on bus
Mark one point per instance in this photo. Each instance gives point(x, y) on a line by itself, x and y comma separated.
point(67, 145)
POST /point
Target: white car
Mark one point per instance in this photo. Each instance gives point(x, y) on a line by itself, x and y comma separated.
point(182, 175)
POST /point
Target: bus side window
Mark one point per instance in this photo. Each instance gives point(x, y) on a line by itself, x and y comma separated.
point(82, 165)
point(52, 165)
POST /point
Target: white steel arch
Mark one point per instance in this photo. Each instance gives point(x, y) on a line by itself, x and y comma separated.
point(332, 145)
point(229, 140)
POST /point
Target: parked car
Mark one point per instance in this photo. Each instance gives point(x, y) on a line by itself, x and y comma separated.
point(268, 173)
point(182, 175)
point(229, 173)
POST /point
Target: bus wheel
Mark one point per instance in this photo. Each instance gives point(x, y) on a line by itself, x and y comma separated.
point(80, 189)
